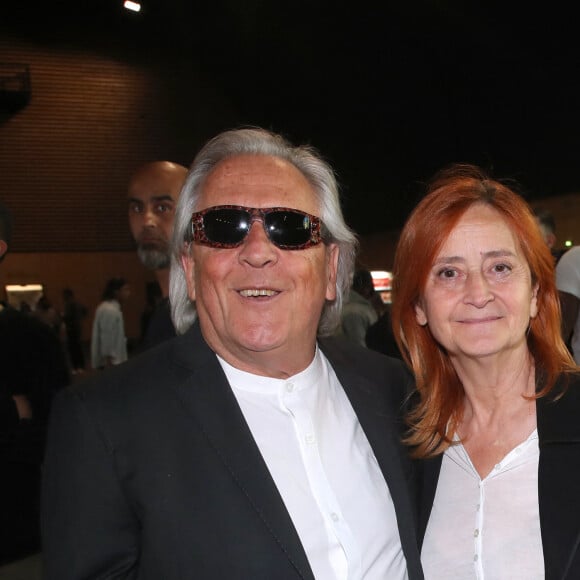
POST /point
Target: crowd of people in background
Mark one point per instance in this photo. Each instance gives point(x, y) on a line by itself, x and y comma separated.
point(258, 335)
point(44, 348)
point(33, 368)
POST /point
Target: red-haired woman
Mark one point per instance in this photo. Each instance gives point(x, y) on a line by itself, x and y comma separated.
point(496, 426)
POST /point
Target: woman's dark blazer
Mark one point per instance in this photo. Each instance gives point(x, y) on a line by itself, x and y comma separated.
point(152, 472)
point(558, 423)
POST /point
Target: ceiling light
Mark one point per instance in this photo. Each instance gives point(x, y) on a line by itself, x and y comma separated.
point(134, 6)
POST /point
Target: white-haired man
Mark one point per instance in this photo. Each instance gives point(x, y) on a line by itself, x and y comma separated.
point(250, 447)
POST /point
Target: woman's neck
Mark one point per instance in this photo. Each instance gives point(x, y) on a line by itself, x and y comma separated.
point(499, 411)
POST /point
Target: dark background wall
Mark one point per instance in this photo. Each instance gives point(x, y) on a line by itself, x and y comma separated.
point(388, 95)
point(90, 120)
point(68, 146)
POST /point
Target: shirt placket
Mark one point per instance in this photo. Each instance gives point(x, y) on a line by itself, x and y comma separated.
point(477, 535)
point(345, 558)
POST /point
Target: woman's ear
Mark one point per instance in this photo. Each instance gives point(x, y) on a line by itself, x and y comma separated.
point(420, 315)
point(534, 302)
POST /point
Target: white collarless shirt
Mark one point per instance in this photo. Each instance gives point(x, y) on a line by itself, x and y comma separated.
point(325, 471)
point(486, 529)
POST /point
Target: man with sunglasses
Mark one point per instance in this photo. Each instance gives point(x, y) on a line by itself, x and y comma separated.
point(249, 447)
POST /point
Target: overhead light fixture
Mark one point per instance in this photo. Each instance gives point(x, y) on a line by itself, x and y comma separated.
point(134, 6)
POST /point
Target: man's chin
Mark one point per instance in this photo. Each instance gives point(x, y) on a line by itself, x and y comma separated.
point(153, 259)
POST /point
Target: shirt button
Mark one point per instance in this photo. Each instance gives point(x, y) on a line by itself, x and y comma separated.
point(475, 558)
point(498, 466)
point(310, 439)
point(476, 533)
point(477, 507)
point(334, 517)
point(290, 387)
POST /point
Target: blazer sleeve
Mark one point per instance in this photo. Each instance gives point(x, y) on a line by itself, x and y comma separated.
point(90, 531)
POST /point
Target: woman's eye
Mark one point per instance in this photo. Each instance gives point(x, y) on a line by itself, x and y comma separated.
point(447, 273)
point(502, 268)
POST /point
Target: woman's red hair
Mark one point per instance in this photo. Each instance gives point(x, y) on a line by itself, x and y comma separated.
point(449, 195)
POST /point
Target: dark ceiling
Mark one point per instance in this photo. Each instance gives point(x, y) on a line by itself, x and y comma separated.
point(388, 93)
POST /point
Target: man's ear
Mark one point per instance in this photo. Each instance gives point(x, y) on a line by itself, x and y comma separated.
point(188, 265)
point(3, 248)
point(332, 271)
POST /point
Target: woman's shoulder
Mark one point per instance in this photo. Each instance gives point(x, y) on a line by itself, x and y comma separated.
point(567, 388)
point(558, 412)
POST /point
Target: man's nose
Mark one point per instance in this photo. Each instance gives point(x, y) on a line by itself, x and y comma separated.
point(257, 249)
point(149, 217)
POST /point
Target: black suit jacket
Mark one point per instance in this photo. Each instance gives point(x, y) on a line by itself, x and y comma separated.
point(152, 473)
point(558, 421)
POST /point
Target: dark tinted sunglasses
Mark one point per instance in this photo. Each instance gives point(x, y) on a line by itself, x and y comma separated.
point(227, 226)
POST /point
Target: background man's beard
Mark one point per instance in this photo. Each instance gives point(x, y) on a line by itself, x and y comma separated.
point(153, 259)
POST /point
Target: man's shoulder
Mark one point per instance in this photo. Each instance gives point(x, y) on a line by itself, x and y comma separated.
point(150, 373)
point(348, 353)
point(114, 380)
point(362, 363)
point(382, 382)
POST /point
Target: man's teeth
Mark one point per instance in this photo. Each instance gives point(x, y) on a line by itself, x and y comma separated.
point(255, 292)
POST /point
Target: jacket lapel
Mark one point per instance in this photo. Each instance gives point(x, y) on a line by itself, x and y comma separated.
point(426, 485)
point(212, 404)
point(559, 481)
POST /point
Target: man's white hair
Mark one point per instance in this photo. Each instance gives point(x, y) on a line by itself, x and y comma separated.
point(318, 173)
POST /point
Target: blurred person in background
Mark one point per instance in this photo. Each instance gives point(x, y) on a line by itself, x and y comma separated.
point(359, 313)
point(108, 340)
point(568, 283)
point(47, 313)
point(547, 225)
point(73, 315)
point(380, 335)
point(152, 195)
point(32, 369)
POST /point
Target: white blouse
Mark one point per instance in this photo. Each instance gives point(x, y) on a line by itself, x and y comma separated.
point(486, 529)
